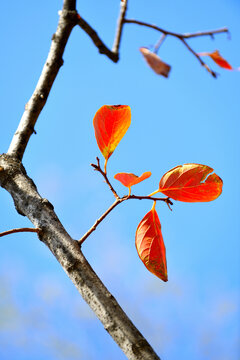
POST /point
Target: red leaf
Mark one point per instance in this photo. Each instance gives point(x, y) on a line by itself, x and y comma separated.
point(218, 59)
point(128, 179)
point(150, 245)
point(110, 125)
point(190, 183)
point(155, 63)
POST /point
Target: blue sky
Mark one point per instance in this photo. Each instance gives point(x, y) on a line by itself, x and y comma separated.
point(189, 117)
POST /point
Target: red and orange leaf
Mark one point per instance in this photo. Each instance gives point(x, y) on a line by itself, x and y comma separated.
point(191, 183)
point(128, 179)
point(218, 59)
point(150, 245)
point(155, 63)
point(110, 125)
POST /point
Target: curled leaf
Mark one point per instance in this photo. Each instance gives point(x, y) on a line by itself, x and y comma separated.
point(191, 183)
point(150, 245)
point(110, 125)
point(128, 179)
point(155, 63)
point(218, 59)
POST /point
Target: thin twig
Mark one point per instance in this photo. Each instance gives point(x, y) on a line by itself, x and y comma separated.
point(98, 221)
point(13, 231)
point(103, 49)
point(182, 38)
point(213, 73)
point(123, 10)
point(178, 35)
point(68, 19)
point(98, 168)
point(117, 202)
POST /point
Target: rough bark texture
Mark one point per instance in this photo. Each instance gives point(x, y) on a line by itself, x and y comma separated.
point(40, 212)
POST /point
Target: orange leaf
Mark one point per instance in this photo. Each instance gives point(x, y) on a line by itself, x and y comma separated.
point(150, 245)
point(191, 183)
point(110, 125)
point(129, 180)
point(155, 63)
point(218, 59)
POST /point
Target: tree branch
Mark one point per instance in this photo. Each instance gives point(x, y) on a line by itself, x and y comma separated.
point(33, 108)
point(103, 49)
point(40, 212)
point(13, 231)
point(123, 10)
point(178, 35)
point(99, 169)
point(182, 38)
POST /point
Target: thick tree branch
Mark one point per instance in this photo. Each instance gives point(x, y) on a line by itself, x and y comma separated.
point(67, 21)
point(40, 212)
point(13, 231)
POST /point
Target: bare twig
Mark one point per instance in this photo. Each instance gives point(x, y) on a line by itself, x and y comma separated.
point(178, 35)
point(98, 221)
point(98, 168)
point(103, 49)
point(123, 10)
point(182, 38)
point(117, 202)
point(13, 231)
point(213, 73)
point(33, 108)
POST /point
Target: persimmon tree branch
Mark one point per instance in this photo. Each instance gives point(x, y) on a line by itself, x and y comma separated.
point(13, 231)
point(40, 212)
point(118, 201)
point(182, 38)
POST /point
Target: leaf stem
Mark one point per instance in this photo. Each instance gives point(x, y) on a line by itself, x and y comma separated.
point(154, 193)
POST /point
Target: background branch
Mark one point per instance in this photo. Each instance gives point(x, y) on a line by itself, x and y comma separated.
point(182, 38)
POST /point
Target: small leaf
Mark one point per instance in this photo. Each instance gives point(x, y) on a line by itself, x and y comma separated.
point(155, 63)
point(150, 245)
point(189, 183)
point(110, 125)
point(128, 179)
point(218, 59)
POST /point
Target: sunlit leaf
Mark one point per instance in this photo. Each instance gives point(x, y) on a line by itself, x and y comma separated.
point(191, 183)
point(150, 245)
point(155, 63)
point(128, 179)
point(110, 125)
point(218, 59)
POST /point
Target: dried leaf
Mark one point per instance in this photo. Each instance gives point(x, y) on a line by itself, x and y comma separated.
point(154, 61)
point(150, 245)
point(110, 125)
point(191, 183)
point(128, 179)
point(218, 59)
